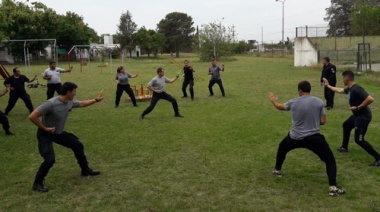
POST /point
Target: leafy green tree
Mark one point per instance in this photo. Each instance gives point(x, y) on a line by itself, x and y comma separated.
point(149, 41)
point(40, 22)
point(214, 41)
point(126, 28)
point(338, 17)
point(71, 30)
point(365, 20)
point(339, 14)
point(178, 30)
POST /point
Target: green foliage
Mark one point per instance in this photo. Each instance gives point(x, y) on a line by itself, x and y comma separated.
point(339, 14)
point(40, 22)
point(214, 41)
point(178, 29)
point(365, 20)
point(126, 28)
point(149, 41)
point(338, 17)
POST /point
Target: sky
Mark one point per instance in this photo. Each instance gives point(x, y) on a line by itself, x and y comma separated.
point(249, 17)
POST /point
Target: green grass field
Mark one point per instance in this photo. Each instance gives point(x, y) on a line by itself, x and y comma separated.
point(218, 158)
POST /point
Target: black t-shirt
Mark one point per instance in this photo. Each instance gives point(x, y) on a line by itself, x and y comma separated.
point(188, 71)
point(356, 95)
point(329, 72)
point(17, 83)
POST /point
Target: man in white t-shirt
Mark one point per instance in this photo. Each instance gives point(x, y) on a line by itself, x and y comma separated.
point(54, 81)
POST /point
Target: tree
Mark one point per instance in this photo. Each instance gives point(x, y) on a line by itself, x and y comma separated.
point(40, 22)
point(338, 17)
point(71, 30)
point(178, 29)
point(126, 28)
point(339, 13)
point(149, 40)
point(214, 41)
point(365, 20)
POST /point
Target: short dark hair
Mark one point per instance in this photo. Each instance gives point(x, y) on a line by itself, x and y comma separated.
point(350, 74)
point(159, 70)
point(119, 69)
point(68, 86)
point(185, 61)
point(51, 62)
point(327, 59)
point(15, 69)
point(304, 86)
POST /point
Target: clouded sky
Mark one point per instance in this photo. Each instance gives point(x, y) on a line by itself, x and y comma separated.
point(248, 16)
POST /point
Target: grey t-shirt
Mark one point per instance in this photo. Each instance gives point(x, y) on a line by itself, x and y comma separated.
point(306, 114)
point(123, 78)
point(215, 71)
point(55, 112)
point(55, 78)
point(158, 83)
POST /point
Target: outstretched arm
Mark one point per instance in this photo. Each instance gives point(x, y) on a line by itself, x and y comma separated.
point(86, 103)
point(274, 101)
point(34, 78)
point(335, 89)
point(174, 79)
point(68, 70)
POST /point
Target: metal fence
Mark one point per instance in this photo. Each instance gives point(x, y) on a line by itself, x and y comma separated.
point(361, 52)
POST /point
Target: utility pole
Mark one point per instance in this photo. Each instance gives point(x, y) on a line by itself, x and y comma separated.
point(233, 33)
point(283, 19)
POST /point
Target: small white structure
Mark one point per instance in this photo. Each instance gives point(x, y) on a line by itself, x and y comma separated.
point(305, 53)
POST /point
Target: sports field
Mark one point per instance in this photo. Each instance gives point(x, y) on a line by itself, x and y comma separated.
point(218, 158)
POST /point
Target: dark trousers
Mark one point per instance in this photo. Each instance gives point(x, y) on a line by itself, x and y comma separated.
point(45, 147)
point(158, 96)
point(52, 88)
point(315, 143)
point(360, 123)
point(211, 84)
point(329, 96)
point(14, 96)
point(4, 121)
point(119, 91)
point(185, 83)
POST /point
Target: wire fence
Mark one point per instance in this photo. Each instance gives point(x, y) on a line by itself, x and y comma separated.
point(361, 52)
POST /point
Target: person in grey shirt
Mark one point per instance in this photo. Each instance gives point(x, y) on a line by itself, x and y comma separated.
point(214, 71)
point(157, 86)
point(54, 113)
point(122, 80)
point(52, 75)
point(307, 115)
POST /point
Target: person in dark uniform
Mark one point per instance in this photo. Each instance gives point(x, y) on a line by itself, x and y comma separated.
point(3, 118)
point(188, 80)
point(328, 72)
point(214, 71)
point(16, 85)
point(54, 113)
point(122, 80)
point(157, 86)
point(308, 115)
point(359, 101)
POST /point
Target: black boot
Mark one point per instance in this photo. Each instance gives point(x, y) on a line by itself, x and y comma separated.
point(40, 187)
point(90, 172)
